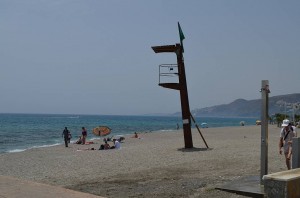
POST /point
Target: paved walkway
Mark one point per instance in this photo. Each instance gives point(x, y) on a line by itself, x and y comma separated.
point(248, 186)
point(15, 188)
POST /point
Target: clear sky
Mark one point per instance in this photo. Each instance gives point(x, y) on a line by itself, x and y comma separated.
point(95, 56)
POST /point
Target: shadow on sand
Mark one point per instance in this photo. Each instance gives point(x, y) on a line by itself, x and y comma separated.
point(194, 149)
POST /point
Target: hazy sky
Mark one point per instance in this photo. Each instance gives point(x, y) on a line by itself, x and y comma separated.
point(95, 56)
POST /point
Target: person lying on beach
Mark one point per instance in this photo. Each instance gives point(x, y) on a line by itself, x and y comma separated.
point(87, 149)
point(121, 139)
point(79, 141)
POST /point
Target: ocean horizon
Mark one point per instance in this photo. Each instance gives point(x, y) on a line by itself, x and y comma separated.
point(20, 131)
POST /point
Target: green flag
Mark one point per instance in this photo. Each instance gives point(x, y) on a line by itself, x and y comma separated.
point(181, 36)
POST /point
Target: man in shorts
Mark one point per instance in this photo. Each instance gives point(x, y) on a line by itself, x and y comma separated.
point(286, 136)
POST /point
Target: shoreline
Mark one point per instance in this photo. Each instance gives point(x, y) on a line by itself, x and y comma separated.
point(95, 138)
point(156, 165)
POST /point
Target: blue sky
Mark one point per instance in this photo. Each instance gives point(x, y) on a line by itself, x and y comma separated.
point(95, 56)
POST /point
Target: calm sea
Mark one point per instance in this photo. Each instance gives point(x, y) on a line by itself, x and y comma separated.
point(19, 132)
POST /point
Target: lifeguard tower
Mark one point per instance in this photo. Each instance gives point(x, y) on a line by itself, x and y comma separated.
point(173, 70)
point(178, 71)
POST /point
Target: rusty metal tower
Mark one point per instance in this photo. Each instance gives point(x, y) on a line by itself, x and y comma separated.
point(177, 70)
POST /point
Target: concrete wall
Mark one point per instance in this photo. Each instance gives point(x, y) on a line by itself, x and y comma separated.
point(285, 184)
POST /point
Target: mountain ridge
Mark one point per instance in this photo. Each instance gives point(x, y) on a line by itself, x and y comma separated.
point(250, 108)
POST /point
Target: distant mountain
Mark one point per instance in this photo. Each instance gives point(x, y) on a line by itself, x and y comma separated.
point(250, 108)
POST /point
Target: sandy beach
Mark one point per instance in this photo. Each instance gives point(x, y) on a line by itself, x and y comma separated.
point(157, 165)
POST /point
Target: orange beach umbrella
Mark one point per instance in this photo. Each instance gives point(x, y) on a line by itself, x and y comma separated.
point(101, 131)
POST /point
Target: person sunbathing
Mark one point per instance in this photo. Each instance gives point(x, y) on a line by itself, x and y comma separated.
point(106, 145)
point(86, 149)
point(79, 141)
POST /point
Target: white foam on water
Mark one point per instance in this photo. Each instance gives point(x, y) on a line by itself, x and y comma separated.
point(16, 150)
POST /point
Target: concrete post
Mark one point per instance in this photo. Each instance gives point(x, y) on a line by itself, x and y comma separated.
point(264, 129)
point(296, 153)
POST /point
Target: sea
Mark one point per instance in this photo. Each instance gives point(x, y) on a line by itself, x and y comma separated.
point(19, 132)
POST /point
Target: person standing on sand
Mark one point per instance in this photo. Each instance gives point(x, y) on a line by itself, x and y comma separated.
point(84, 135)
point(286, 135)
point(65, 135)
point(69, 137)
